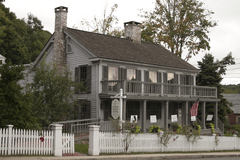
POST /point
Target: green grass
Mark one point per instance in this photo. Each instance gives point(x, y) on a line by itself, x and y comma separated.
point(81, 148)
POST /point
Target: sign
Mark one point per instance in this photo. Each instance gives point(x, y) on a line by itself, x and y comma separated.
point(209, 117)
point(193, 118)
point(153, 119)
point(174, 118)
point(194, 109)
point(133, 119)
point(115, 109)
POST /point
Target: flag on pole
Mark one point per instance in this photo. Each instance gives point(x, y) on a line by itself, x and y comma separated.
point(194, 109)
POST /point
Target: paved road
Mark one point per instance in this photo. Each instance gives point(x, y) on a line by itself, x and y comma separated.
point(222, 158)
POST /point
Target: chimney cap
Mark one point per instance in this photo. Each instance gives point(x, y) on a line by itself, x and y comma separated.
point(132, 23)
point(61, 9)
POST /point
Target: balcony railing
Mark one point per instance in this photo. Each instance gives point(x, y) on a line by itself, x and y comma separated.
point(137, 87)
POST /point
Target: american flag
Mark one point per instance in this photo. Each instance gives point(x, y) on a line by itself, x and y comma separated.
point(194, 109)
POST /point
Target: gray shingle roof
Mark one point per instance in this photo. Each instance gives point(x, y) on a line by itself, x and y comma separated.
point(122, 49)
point(235, 99)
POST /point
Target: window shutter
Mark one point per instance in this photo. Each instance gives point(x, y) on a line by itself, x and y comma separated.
point(89, 79)
point(88, 110)
point(182, 79)
point(77, 77)
point(105, 73)
point(159, 77)
point(146, 76)
point(164, 77)
point(138, 75)
point(191, 80)
point(175, 79)
point(123, 74)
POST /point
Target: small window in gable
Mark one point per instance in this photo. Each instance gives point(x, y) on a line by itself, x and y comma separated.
point(69, 49)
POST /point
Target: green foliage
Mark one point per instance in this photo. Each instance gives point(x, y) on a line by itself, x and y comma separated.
point(20, 41)
point(52, 93)
point(211, 75)
point(178, 25)
point(192, 133)
point(231, 89)
point(212, 128)
point(15, 106)
point(154, 129)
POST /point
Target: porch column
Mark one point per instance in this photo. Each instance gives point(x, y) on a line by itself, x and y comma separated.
point(166, 115)
point(144, 116)
point(124, 109)
point(216, 115)
point(186, 114)
point(203, 115)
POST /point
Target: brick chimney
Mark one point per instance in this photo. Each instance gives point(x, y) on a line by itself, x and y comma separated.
point(59, 54)
point(132, 31)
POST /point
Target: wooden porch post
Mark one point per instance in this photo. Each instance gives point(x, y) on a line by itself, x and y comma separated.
point(216, 115)
point(166, 115)
point(124, 109)
point(186, 113)
point(144, 116)
point(203, 115)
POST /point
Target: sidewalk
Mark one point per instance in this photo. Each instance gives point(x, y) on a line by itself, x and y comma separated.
point(133, 157)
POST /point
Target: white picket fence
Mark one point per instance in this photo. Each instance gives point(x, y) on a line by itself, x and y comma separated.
point(115, 143)
point(28, 142)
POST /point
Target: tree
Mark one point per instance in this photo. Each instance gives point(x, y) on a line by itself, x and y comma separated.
point(20, 41)
point(211, 75)
point(178, 24)
point(104, 25)
point(15, 106)
point(52, 93)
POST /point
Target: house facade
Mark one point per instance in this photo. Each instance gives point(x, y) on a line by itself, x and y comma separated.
point(156, 82)
point(234, 117)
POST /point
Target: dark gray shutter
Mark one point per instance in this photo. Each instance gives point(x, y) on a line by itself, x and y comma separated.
point(191, 80)
point(89, 79)
point(164, 77)
point(119, 74)
point(138, 75)
point(146, 76)
point(105, 73)
point(123, 74)
point(159, 77)
point(88, 110)
point(77, 77)
point(175, 81)
point(182, 79)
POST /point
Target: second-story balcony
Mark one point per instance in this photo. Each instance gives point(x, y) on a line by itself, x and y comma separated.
point(158, 89)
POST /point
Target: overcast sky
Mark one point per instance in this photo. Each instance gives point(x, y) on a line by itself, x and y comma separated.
point(225, 37)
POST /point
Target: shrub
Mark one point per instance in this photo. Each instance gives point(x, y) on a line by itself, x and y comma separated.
point(154, 129)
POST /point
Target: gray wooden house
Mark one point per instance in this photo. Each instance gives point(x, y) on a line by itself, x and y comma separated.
point(154, 80)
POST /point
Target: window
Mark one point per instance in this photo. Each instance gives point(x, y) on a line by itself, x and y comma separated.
point(153, 76)
point(83, 111)
point(132, 108)
point(83, 75)
point(172, 109)
point(170, 78)
point(113, 73)
point(131, 74)
point(69, 48)
point(186, 79)
point(106, 106)
point(154, 108)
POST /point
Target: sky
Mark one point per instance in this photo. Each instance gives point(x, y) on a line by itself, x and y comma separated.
point(225, 37)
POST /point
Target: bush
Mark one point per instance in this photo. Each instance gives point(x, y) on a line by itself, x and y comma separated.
point(154, 129)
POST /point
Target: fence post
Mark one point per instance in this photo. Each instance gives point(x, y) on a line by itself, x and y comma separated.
point(234, 137)
point(9, 138)
point(57, 139)
point(93, 140)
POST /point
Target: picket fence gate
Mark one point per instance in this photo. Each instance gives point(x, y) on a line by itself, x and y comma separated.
point(33, 142)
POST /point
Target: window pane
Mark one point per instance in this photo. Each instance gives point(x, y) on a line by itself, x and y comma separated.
point(153, 76)
point(170, 77)
point(113, 73)
point(131, 74)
